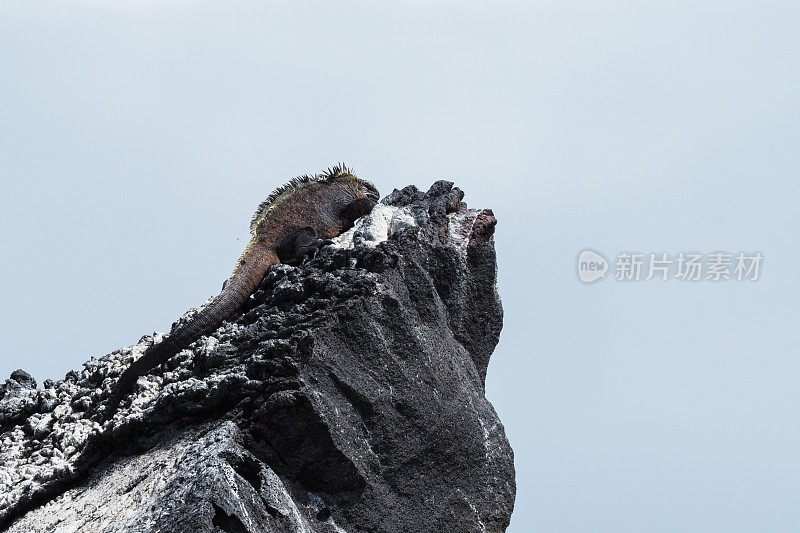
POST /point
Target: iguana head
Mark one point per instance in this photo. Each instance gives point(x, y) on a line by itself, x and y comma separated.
point(362, 195)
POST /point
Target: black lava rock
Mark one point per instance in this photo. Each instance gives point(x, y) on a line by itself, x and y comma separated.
point(347, 395)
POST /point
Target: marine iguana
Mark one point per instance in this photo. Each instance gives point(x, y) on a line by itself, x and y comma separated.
point(295, 220)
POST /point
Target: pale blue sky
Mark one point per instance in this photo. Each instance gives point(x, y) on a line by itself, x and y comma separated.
point(137, 138)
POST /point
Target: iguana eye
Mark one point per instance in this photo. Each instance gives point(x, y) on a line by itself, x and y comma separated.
point(370, 191)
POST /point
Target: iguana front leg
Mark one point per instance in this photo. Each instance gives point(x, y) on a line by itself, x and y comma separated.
point(306, 244)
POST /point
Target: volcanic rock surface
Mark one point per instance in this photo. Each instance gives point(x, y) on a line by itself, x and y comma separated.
point(348, 395)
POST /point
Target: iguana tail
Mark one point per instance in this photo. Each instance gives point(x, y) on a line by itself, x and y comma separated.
point(249, 272)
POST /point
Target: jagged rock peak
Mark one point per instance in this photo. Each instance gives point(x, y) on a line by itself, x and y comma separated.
point(347, 395)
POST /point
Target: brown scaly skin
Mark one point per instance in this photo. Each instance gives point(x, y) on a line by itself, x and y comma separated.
point(289, 226)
